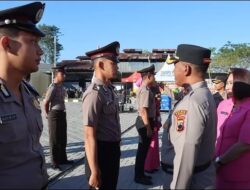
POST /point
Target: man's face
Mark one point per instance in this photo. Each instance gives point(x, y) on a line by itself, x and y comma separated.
point(25, 53)
point(110, 69)
point(60, 76)
point(179, 73)
point(219, 86)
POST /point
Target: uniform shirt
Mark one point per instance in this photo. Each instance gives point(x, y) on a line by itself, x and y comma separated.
point(234, 127)
point(192, 133)
point(55, 95)
point(146, 99)
point(22, 163)
point(218, 97)
point(101, 110)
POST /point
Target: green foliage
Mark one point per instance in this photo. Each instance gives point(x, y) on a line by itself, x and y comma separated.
point(231, 55)
point(47, 43)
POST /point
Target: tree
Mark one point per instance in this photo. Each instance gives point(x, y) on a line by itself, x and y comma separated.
point(231, 55)
point(47, 43)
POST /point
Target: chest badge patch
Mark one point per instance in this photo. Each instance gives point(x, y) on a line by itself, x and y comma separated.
point(180, 116)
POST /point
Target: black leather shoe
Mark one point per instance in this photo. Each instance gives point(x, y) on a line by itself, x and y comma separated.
point(143, 180)
point(56, 166)
point(68, 162)
point(147, 176)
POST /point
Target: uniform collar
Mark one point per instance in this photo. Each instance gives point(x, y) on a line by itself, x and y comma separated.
point(99, 82)
point(194, 86)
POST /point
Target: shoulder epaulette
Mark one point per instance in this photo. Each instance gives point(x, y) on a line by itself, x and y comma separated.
point(30, 89)
point(96, 87)
point(4, 90)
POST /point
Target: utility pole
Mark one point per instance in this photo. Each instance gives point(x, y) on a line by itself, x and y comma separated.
point(54, 61)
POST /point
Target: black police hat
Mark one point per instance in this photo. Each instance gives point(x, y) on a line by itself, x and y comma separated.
point(23, 17)
point(110, 51)
point(192, 54)
point(150, 70)
point(58, 68)
point(219, 79)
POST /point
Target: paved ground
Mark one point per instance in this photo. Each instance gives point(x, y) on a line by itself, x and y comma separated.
point(74, 177)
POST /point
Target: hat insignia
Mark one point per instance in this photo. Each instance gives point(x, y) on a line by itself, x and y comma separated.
point(172, 59)
point(39, 14)
point(117, 50)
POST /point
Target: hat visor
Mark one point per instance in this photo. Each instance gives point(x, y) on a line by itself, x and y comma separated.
point(172, 60)
point(32, 30)
point(215, 81)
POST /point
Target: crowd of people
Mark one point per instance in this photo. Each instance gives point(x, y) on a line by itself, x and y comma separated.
point(205, 142)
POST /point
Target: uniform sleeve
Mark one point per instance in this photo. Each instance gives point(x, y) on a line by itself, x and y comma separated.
point(144, 99)
point(245, 129)
point(50, 93)
point(187, 145)
point(91, 109)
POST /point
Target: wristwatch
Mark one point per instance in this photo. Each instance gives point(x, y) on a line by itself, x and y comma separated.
point(218, 160)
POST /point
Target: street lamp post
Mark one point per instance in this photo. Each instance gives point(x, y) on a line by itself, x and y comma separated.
point(54, 60)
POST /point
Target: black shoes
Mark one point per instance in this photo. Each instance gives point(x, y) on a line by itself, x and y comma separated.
point(151, 171)
point(68, 162)
point(143, 180)
point(56, 166)
point(148, 177)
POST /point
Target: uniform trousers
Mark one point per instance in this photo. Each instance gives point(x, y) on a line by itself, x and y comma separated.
point(143, 147)
point(57, 136)
point(109, 154)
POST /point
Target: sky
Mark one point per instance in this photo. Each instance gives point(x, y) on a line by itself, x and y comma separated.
point(145, 25)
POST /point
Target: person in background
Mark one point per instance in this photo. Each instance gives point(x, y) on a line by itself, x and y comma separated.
point(55, 111)
point(219, 87)
point(22, 163)
point(152, 162)
point(233, 133)
point(144, 123)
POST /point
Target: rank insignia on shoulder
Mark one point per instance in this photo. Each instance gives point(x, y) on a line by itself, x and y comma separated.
point(180, 116)
point(36, 104)
point(96, 87)
point(4, 91)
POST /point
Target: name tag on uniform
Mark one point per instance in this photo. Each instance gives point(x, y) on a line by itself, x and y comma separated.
point(6, 118)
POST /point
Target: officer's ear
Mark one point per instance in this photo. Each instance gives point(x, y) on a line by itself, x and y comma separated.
point(187, 69)
point(5, 42)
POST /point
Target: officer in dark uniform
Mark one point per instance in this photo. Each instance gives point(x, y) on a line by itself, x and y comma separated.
point(22, 164)
point(101, 120)
point(56, 113)
point(192, 125)
point(220, 91)
point(144, 122)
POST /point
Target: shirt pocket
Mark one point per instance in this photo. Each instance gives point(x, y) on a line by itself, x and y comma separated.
point(109, 108)
point(12, 132)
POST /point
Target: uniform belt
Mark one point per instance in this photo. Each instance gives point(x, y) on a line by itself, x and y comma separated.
point(169, 168)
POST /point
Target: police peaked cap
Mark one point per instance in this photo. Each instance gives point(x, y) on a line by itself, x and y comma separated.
point(219, 79)
point(58, 68)
point(192, 54)
point(150, 69)
point(23, 17)
point(110, 51)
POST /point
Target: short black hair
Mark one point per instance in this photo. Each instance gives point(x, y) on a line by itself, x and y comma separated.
point(9, 31)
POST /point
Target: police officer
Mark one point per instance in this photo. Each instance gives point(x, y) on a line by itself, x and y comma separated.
point(144, 122)
point(192, 129)
point(220, 91)
point(102, 131)
point(22, 163)
point(56, 113)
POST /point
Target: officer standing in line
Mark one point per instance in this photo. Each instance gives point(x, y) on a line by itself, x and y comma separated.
point(56, 113)
point(102, 130)
point(192, 130)
point(144, 123)
point(220, 93)
point(22, 163)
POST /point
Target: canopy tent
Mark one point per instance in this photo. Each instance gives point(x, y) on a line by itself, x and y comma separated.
point(165, 74)
point(132, 78)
